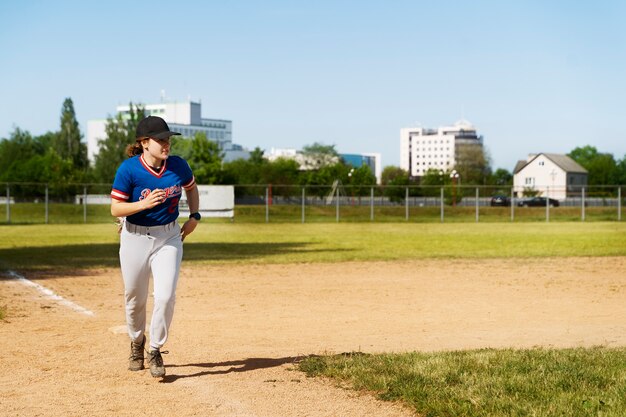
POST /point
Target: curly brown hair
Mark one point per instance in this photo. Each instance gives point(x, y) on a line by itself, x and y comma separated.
point(135, 148)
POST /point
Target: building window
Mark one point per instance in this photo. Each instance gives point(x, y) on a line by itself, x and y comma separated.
point(530, 181)
point(541, 163)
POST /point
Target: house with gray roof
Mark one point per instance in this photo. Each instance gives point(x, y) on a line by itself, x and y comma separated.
point(549, 175)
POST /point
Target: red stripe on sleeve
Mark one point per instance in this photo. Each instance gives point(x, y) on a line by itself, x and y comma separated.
point(119, 195)
point(190, 184)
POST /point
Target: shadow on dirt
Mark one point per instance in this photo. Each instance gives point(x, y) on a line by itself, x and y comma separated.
point(244, 365)
point(69, 260)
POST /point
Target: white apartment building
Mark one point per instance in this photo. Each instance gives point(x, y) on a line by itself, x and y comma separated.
point(422, 149)
point(183, 117)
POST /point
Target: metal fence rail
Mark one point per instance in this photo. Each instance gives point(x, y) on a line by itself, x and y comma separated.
point(89, 203)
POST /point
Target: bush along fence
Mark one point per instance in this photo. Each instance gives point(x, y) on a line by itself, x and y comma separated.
point(90, 203)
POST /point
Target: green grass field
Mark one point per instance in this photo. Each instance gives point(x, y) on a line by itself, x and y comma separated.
point(535, 382)
point(74, 246)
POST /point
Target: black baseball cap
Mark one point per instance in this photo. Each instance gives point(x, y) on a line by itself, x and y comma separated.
point(154, 127)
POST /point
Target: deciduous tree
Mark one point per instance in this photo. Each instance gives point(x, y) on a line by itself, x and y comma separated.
point(602, 168)
point(472, 164)
point(120, 132)
point(205, 159)
point(395, 180)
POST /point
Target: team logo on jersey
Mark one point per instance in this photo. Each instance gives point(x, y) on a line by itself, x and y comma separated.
point(173, 191)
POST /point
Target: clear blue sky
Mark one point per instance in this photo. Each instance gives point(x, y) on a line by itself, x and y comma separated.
point(532, 76)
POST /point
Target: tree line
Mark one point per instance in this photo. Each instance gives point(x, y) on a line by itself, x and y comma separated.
point(59, 158)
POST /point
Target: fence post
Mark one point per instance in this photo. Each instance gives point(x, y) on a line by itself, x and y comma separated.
point(619, 204)
point(477, 205)
point(406, 204)
point(8, 204)
point(583, 205)
point(337, 206)
point(303, 203)
point(547, 204)
point(47, 204)
point(441, 204)
point(372, 204)
point(512, 204)
point(85, 204)
point(267, 207)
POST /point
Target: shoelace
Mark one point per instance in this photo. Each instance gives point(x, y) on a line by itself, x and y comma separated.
point(156, 357)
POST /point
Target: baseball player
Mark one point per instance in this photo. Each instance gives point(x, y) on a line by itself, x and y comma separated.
point(146, 191)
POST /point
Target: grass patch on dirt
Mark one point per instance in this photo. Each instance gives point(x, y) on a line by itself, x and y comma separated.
point(532, 382)
point(67, 247)
point(3, 312)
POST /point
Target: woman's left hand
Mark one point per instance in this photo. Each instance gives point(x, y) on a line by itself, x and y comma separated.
point(188, 228)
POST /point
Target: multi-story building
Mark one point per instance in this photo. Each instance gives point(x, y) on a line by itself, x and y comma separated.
point(422, 149)
point(371, 160)
point(183, 117)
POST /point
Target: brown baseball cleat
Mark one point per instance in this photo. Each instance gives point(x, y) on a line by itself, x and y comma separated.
point(157, 369)
point(135, 361)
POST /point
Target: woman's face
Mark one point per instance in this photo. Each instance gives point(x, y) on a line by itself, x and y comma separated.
point(158, 149)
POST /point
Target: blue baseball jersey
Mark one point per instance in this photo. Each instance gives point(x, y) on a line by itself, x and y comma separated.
point(135, 179)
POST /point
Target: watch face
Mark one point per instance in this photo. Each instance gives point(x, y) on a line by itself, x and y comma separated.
point(195, 216)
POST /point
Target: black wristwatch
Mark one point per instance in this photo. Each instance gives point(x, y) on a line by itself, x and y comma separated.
point(195, 215)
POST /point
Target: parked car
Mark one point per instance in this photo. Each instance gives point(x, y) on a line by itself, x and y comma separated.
point(499, 200)
point(537, 202)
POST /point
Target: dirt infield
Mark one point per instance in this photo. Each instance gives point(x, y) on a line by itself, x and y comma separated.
point(238, 330)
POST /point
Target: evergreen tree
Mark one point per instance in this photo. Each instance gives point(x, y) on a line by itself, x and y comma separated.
point(68, 144)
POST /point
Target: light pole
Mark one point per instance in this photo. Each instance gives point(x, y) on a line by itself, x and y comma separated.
point(455, 176)
point(351, 185)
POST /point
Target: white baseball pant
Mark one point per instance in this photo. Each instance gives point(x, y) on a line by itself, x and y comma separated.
point(156, 249)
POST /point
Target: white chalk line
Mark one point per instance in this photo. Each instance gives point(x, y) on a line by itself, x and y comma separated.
point(50, 294)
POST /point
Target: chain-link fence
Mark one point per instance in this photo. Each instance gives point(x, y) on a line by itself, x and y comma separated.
point(90, 203)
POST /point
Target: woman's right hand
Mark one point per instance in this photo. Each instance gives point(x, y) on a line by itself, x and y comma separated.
point(156, 197)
